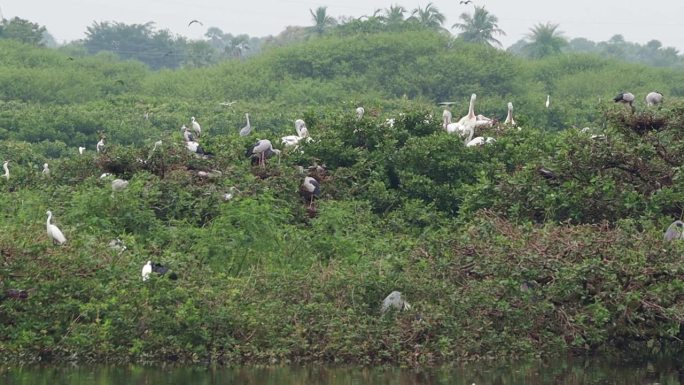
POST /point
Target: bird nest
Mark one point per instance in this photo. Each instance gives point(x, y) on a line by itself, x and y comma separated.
point(641, 123)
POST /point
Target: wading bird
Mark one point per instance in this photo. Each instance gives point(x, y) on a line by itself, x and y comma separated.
point(146, 271)
point(654, 98)
point(100, 147)
point(394, 300)
point(359, 113)
point(509, 118)
point(309, 189)
point(53, 232)
point(675, 231)
point(625, 98)
point(262, 150)
point(196, 127)
point(548, 101)
point(302, 133)
point(46, 169)
point(246, 130)
point(6, 168)
point(80, 150)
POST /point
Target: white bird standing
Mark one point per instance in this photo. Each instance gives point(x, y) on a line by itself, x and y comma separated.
point(359, 113)
point(119, 184)
point(470, 119)
point(196, 127)
point(478, 141)
point(394, 300)
point(654, 98)
point(157, 144)
point(53, 232)
point(46, 169)
point(309, 189)
point(100, 145)
point(246, 130)
point(262, 150)
point(302, 133)
point(6, 168)
point(548, 101)
point(80, 150)
point(674, 231)
point(146, 271)
point(446, 118)
point(509, 118)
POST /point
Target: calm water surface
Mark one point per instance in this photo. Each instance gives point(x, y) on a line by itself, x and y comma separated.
point(665, 372)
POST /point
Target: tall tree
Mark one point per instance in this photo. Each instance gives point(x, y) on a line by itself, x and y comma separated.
point(394, 15)
point(22, 30)
point(479, 28)
point(544, 40)
point(429, 17)
point(322, 21)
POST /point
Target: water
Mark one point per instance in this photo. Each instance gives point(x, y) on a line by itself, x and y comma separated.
point(665, 372)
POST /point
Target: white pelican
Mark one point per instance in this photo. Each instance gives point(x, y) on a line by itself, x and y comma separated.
point(509, 118)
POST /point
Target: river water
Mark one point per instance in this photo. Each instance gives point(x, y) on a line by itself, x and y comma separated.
point(575, 371)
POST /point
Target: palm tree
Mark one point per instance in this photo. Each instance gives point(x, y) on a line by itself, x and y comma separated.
point(429, 17)
point(545, 40)
point(394, 15)
point(321, 20)
point(479, 28)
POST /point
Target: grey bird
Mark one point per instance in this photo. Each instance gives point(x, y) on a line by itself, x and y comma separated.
point(675, 231)
point(654, 98)
point(394, 300)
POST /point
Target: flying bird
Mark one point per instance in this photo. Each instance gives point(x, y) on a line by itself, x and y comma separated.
point(466, 1)
point(53, 232)
point(195, 21)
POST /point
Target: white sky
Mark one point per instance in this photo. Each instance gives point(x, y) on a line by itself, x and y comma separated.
point(598, 20)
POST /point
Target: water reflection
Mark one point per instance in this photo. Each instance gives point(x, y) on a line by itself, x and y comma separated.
point(665, 372)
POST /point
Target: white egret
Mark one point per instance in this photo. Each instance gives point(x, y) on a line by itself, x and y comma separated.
point(196, 127)
point(548, 101)
point(309, 189)
point(394, 300)
point(6, 168)
point(46, 169)
point(246, 130)
point(53, 232)
point(146, 271)
point(230, 194)
point(157, 144)
point(654, 98)
point(81, 150)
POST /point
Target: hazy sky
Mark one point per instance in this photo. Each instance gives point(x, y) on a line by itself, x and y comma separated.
point(598, 20)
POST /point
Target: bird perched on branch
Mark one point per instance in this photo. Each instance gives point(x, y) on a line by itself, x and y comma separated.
point(625, 98)
point(654, 98)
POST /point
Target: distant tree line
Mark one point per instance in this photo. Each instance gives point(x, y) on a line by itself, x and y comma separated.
point(161, 49)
